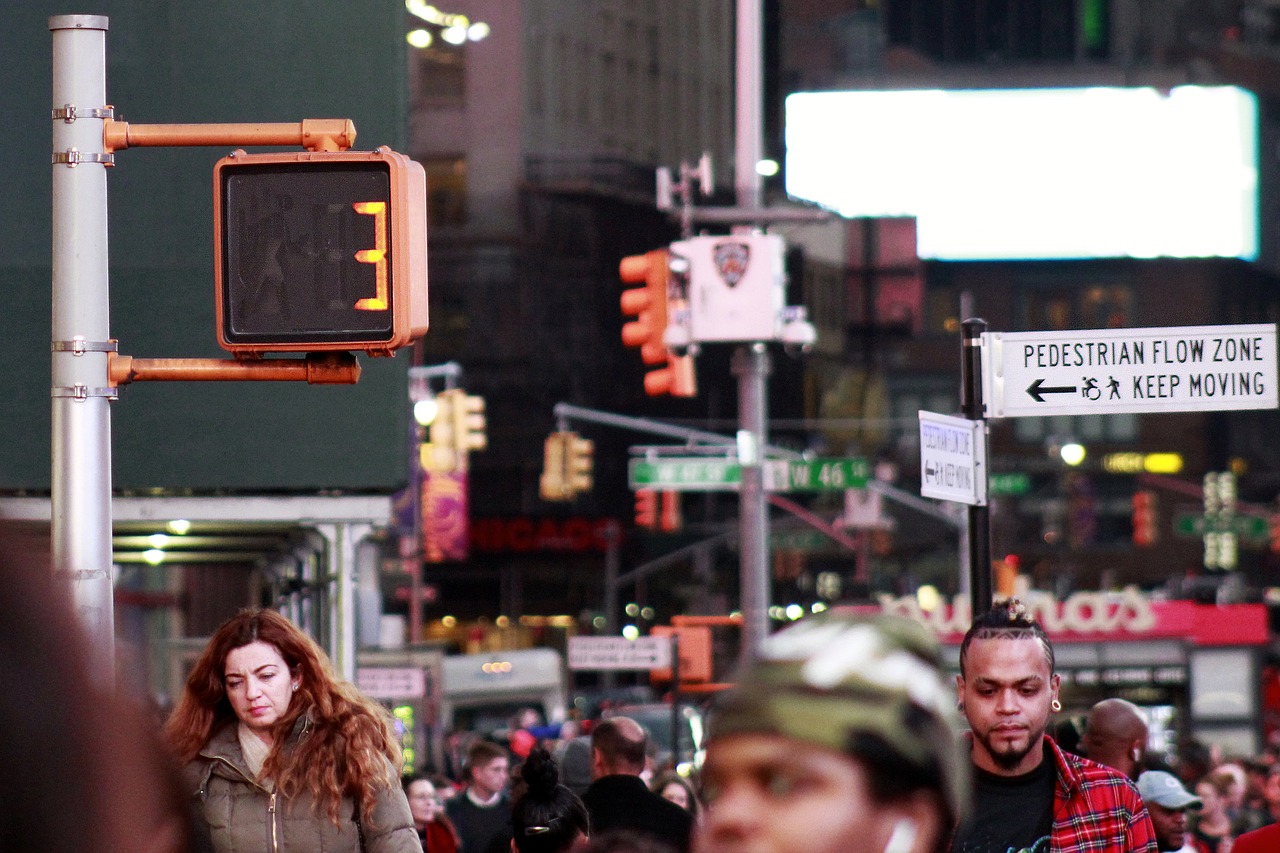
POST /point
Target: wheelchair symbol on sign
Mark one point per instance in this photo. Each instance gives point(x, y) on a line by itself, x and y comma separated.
point(1091, 391)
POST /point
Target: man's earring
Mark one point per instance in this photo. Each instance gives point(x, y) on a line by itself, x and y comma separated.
point(960, 705)
point(1055, 705)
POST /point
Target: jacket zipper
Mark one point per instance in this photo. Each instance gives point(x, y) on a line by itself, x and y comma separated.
point(271, 812)
point(271, 802)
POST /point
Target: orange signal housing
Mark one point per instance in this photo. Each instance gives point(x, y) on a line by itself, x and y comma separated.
point(283, 265)
point(648, 305)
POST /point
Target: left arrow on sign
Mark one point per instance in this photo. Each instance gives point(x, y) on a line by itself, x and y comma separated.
point(1037, 389)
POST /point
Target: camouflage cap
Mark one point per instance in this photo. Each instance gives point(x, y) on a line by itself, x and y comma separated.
point(833, 679)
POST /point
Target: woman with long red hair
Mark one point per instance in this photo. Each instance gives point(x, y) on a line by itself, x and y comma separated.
point(280, 754)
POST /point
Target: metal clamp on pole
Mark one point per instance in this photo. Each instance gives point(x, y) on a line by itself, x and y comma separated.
point(72, 158)
point(70, 112)
point(79, 346)
point(80, 393)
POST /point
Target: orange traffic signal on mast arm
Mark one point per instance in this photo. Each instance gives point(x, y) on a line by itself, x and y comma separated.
point(1145, 529)
point(648, 305)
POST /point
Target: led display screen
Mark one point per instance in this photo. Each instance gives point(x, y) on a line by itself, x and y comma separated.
point(1037, 173)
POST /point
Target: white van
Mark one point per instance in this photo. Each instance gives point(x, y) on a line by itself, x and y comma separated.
point(482, 692)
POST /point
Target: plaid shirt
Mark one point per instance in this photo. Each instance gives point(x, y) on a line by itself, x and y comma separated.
point(1096, 809)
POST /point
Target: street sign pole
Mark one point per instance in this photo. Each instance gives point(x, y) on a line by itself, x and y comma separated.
point(751, 365)
point(979, 528)
point(80, 496)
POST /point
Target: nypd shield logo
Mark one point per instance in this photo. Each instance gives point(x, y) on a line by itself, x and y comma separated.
point(731, 261)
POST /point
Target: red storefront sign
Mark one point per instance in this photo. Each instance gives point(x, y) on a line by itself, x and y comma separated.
point(1098, 617)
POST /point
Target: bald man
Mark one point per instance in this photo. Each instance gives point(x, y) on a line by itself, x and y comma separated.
point(618, 797)
point(1115, 734)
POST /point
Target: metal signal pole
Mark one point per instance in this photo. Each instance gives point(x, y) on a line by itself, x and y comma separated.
point(751, 361)
point(80, 522)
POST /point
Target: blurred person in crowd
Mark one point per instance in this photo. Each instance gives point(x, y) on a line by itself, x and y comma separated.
point(624, 841)
point(80, 766)
point(435, 831)
point(679, 790)
point(1264, 840)
point(1026, 789)
point(618, 797)
point(573, 757)
point(1243, 817)
point(547, 817)
point(1168, 803)
point(1211, 831)
point(456, 745)
point(276, 746)
point(525, 731)
point(1115, 735)
point(1255, 802)
point(840, 738)
point(1271, 794)
point(481, 812)
point(1194, 761)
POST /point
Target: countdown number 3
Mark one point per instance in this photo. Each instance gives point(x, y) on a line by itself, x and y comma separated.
point(377, 255)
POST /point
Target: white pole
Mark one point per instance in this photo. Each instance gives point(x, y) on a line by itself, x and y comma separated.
point(750, 362)
point(81, 431)
point(749, 136)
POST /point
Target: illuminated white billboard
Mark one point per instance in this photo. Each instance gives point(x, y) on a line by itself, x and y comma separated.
point(1038, 173)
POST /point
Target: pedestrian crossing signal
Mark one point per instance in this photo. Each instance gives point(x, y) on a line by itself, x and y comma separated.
point(317, 251)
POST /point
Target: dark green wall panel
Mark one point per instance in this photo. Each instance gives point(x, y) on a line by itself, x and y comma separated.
point(269, 60)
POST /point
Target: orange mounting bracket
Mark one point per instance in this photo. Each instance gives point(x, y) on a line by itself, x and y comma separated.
point(313, 134)
point(328, 368)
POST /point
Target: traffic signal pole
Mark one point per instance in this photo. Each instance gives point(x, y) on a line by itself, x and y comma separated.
point(80, 520)
point(751, 361)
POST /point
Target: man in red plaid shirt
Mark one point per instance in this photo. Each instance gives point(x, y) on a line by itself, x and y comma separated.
point(1029, 795)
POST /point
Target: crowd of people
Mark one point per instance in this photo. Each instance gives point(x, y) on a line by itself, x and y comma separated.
point(844, 735)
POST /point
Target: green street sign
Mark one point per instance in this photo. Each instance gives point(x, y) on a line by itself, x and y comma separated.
point(1245, 526)
point(816, 475)
point(698, 474)
point(685, 474)
point(1017, 483)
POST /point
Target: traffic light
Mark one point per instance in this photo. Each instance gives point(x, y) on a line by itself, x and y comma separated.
point(566, 466)
point(440, 453)
point(658, 510)
point(648, 305)
point(551, 485)
point(670, 520)
point(646, 508)
point(1145, 528)
point(468, 420)
point(578, 463)
point(319, 251)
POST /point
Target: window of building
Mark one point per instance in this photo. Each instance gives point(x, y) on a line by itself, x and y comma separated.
point(1090, 305)
point(446, 190)
point(442, 77)
point(1112, 428)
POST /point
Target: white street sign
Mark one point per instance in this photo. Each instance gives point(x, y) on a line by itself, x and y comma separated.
point(1107, 371)
point(406, 682)
point(600, 653)
point(953, 459)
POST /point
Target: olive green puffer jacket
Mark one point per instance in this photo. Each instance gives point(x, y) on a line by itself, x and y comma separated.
point(244, 817)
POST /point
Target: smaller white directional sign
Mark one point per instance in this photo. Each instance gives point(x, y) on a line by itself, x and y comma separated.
point(619, 653)
point(1110, 371)
point(953, 459)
